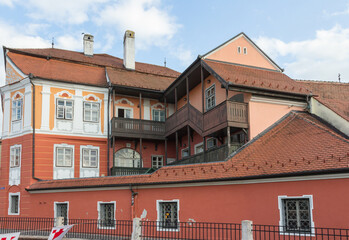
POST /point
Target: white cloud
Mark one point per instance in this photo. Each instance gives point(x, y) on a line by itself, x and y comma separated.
point(322, 57)
point(69, 42)
point(152, 23)
point(345, 12)
point(185, 56)
point(9, 3)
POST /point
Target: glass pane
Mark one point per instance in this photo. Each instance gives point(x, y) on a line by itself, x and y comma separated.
point(87, 115)
point(69, 103)
point(60, 102)
point(94, 116)
point(87, 105)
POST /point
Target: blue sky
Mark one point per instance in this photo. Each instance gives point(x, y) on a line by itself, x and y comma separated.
point(309, 39)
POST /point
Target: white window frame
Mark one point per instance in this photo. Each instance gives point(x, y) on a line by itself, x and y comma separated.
point(10, 203)
point(91, 111)
point(197, 146)
point(65, 109)
point(14, 147)
point(125, 108)
point(56, 146)
point(211, 139)
point(99, 214)
point(245, 50)
point(214, 97)
point(160, 111)
point(157, 156)
point(158, 210)
point(282, 215)
point(55, 209)
point(183, 150)
point(89, 148)
point(15, 110)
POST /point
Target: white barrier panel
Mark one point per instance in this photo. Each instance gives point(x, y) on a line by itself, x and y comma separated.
point(10, 236)
point(57, 233)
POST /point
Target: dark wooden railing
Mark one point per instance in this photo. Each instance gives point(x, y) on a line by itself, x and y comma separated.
point(128, 127)
point(125, 171)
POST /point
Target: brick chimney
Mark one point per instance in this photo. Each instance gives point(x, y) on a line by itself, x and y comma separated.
point(88, 45)
point(129, 50)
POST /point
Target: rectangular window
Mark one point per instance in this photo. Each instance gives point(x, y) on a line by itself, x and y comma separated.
point(15, 157)
point(185, 152)
point(64, 156)
point(211, 143)
point(168, 215)
point(91, 112)
point(61, 210)
point(158, 115)
point(210, 97)
point(64, 109)
point(297, 215)
point(245, 50)
point(199, 148)
point(157, 161)
point(124, 113)
point(13, 204)
point(106, 215)
point(90, 158)
point(17, 110)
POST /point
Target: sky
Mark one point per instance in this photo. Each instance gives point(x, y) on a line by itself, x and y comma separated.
point(309, 39)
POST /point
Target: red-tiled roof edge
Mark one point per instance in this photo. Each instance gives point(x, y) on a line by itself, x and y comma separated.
point(328, 105)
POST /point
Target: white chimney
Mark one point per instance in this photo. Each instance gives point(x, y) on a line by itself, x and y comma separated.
point(88, 44)
point(129, 50)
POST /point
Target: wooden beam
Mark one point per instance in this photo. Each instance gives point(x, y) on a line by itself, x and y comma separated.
point(188, 133)
point(202, 92)
point(228, 136)
point(175, 99)
point(165, 103)
point(176, 146)
point(140, 151)
point(113, 102)
point(165, 151)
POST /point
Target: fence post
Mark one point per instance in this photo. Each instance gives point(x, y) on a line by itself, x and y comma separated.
point(246, 230)
point(136, 229)
point(59, 221)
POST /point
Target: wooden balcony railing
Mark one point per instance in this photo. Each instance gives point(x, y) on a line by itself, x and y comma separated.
point(136, 128)
point(125, 171)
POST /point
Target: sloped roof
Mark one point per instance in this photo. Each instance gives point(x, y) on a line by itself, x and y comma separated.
point(334, 95)
point(297, 144)
point(257, 78)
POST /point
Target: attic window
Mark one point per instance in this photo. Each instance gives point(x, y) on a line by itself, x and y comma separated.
point(239, 50)
point(245, 50)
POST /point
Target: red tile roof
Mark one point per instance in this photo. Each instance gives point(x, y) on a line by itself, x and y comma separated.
point(334, 95)
point(299, 143)
point(257, 78)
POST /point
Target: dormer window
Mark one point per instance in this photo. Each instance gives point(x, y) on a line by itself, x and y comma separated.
point(239, 50)
point(17, 110)
point(245, 51)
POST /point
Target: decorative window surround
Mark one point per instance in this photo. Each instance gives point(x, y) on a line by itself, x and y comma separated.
point(89, 171)
point(57, 212)
point(282, 222)
point(14, 203)
point(160, 215)
point(27, 110)
point(62, 124)
point(17, 121)
point(126, 108)
point(15, 171)
point(124, 99)
point(63, 172)
point(45, 116)
point(90, 125)
point(106, 222)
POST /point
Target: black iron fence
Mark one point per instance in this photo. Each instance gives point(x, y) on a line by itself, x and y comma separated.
point(272, 232)
point(190, 230)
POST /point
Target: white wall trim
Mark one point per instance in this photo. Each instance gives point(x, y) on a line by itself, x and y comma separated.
point(124, 99)
point(99, 214)
point(14, 170)
point(19, 203)
point(55, 209)
point(288, 103)
point(90, 171)
point(159, 228)
point(57, 169)
point(45, 111)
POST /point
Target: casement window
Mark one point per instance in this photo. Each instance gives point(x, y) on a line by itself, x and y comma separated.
point(245, 51)
point(210, 97)
point(157, 161)
point(158, 115)
point(13, 204)
point(64, 157)
point(15, 157)
point(239, 50)
point(211, 143)
point(17, 106)
point(124, 113)
point(90, 158)
point(296, 214)
point(185, 152)
point(91, 112)
point(64, 109)
point(61, 210)
point(199, 148)
point(168, 214)
point(106, 215)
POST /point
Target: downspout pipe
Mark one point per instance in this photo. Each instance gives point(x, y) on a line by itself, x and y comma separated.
point(31, 76)
point(108, 144)
point(133, 198)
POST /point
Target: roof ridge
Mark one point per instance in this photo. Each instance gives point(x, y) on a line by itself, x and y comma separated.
point(321, 82)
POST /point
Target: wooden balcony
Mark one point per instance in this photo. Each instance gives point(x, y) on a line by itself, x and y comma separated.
point(228, 113)
point(136, 128)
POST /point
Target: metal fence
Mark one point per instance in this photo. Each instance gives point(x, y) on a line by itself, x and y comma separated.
point(190, 230)
point(83, 228)
point(272, 232)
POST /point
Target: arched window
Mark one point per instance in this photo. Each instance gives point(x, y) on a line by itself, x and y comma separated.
point(127, 157)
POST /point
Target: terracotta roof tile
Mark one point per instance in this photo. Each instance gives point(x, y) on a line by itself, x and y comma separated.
point(299, 143)
point(255, 77)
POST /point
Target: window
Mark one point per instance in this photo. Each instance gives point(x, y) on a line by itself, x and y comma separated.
point(64, 156)
point(90, 158)
point(124, 113)
point(17, 110)
point(210, 97)
point(245, 50)
point(15, 157)
point(296, 214)
point(199, 148)
point(13, 204)
point(239, 50)
point(91, 112)
point(106, 215)
point(64, 109)
point(159, 115)
point(61, 210)
point(185, 152)
point(157, 161)
point(211, 143)
point(168, 214)
point(127, 157)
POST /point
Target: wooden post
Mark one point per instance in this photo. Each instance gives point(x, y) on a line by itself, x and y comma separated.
point(202, 91)
point(188, 132)
point(113, 151)
point(140, 151)
point(113, 102)
point(204, 143)
point(176, 99)
point(165, 103)
point(228, 140)
point(140, 113)
point(165, 151)
point(176, 146)
point(187, 86)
